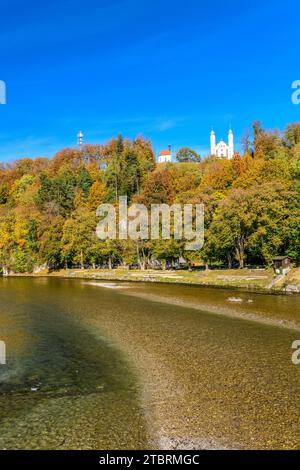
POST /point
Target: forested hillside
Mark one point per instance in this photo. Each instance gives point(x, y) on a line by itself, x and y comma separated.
point(252, 203)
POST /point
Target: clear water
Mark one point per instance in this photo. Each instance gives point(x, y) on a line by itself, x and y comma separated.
point(135, 366)
point(62, 386)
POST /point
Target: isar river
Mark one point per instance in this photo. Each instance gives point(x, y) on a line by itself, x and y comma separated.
point(95, 365)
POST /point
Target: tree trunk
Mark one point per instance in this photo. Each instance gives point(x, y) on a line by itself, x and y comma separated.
point(81, 260)
point(240, 252)
point(143, 265)
point(109, 262)
point(144, 261)
point(229, 260)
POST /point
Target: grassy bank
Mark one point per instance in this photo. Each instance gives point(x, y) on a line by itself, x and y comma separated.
point(247, 279)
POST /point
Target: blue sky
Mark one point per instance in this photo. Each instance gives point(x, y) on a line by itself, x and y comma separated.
point(168, 70)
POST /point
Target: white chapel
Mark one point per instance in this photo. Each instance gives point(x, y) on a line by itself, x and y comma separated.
point(222, 149)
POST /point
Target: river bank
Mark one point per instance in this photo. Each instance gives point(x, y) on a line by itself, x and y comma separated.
point(256, 280)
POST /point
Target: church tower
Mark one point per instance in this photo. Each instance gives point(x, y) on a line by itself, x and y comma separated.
point(230, 144)
point(212, 143)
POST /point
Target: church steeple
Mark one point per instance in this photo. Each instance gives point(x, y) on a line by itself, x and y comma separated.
point(230, 144)
point(212, 143)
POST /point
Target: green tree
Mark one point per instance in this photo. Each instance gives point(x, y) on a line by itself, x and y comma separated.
point(79, 234)
point(85, 181)
point(185, 154)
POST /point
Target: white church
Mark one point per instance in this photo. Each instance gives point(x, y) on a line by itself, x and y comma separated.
point(220, 150)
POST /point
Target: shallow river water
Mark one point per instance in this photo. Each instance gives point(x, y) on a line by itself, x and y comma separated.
point(94, 365)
